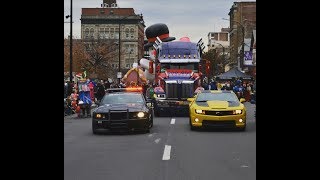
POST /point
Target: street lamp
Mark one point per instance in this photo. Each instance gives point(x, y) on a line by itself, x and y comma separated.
point(70, 16)
point(243, 33)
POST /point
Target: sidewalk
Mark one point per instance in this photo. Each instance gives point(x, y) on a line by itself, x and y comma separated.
point(72, 116)
point(75, 116)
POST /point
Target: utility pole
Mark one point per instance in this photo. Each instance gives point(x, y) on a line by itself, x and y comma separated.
point(71, 41)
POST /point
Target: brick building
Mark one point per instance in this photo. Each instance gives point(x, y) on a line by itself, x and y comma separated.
point(221, 37)
point(104, 24)
point(242, 23)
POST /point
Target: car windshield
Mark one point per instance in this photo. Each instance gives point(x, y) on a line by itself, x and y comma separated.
point(216, 96)
point(122, 98)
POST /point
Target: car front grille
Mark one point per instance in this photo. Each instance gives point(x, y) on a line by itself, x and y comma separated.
point(118, 115)
point(121, 120)
point(219, 113)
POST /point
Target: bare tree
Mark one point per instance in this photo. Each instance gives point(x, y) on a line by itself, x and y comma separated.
point(93, 56)
point(79, 55)
point(100, 53)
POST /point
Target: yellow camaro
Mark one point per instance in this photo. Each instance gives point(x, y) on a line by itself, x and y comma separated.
point(212, 108)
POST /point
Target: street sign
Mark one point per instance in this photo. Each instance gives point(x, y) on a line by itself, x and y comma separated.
point(119, 74)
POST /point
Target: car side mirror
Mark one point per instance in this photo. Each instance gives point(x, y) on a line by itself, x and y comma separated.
point(242, 100)
point(190, 99)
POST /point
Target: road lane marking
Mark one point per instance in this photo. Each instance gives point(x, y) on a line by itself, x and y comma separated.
point(244, 166)
point(166, 152)
point(152, 134)
point(157, 140)
point(173, 121)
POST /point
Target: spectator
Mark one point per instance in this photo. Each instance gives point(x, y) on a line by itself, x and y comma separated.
point(100, 91)
point(213, 85)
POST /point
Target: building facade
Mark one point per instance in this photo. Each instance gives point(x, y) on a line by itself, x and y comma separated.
point(242, 23)
point(218, 37)
point(110, 22)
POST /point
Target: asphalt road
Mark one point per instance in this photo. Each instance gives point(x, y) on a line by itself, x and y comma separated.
point(169, 152)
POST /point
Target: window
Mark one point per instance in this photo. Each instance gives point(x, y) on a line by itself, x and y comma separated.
point(127, 33)
point(91, 33)
point(116, 34)
point(86, 33)
point(130, 49)
point(107, 34)
point(131, 33)
point(112, 33)
point(101, 33)
point(126, 46)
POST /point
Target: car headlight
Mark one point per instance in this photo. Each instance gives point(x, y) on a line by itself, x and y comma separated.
point(238, 111)
point(141, 114)
point(200, 111)
point(98, 115)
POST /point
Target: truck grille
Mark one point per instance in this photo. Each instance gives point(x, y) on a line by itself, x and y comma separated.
point(187, 90)
point(183, 90)
point(171, 90)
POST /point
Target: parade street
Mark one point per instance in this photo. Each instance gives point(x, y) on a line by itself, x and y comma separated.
point(171, 151)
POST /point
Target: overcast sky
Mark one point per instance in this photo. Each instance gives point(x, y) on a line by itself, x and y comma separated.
point(192, 18)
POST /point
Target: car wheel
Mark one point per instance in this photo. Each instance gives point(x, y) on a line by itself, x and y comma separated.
point(242, 129)
point(192, 128)
point(94, 131)
point(151, 122)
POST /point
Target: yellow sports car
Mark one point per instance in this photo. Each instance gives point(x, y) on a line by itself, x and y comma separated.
point(217, 109)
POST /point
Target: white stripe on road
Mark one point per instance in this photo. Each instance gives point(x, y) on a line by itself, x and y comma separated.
point(166, 152)
point(173, 121)
point(157, 140)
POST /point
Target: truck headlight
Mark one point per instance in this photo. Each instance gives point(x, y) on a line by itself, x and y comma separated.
point(98, 116)
point(140, 114)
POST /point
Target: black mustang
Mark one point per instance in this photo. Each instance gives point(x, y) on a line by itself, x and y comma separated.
point(122, 110)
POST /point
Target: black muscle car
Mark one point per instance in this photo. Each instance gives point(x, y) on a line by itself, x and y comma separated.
point(122, 110)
